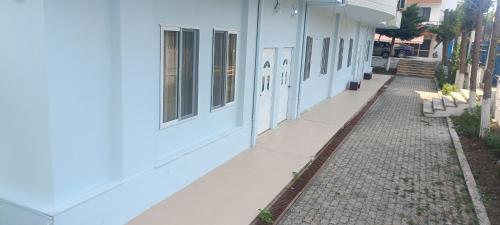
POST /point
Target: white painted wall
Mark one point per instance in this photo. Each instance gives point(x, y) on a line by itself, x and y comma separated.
point(320, 24)
point(25, 156)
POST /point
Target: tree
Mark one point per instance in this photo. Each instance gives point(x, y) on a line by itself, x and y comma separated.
point(410, 27)
point(478, 8)
point(447, 31)
point(466, 27)
point(488, 76)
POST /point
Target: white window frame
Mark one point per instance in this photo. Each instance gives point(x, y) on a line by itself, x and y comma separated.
point(179, 118)
point(225, 104)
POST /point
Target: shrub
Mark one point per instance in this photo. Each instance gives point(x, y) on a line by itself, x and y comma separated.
point(468, 124)
point(448, 88)
point(440, 76)
point(493, 140)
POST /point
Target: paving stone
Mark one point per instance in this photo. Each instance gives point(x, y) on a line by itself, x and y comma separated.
point(396, 167)
point(437, 104)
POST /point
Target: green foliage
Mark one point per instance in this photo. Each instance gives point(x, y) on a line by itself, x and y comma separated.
point(498, 171)
point(493, 140)
point(442, 77)
point(449, 27)
point(410, 25)
point(448, 88)
point(468, 124)
point(266, 216)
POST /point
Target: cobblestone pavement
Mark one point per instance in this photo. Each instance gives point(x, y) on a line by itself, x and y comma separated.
point(396, 167)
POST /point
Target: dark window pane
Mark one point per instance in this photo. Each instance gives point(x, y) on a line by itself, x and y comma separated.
point(307, 63)
point(219, 69)
point(325, 55)
point(425, 13)
point(171, 40)
point(231, 68)
point(189, 73)
point(368, 45)
point(349, 57)
point(341, 54)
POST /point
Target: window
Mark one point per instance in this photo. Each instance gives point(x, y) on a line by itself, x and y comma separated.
point(223, 68)
point(324, 55)
point(307, 63)
point(402, 4)
point(179, 74)
point(368, 47)
point(341, 54)
point(425, 13)
point(349, 57)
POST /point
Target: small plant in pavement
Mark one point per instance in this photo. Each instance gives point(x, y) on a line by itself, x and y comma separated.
point(266, 216)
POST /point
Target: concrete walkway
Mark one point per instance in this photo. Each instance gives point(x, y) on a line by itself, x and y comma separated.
point(233, 193)
point(396, 167)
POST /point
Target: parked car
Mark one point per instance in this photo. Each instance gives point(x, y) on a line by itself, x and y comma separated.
point(403, 50)
point(383, 48)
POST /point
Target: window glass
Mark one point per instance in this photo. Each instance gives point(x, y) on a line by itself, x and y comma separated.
point(231, 68)
point(219, 68)
point(188, 76)
point(424, 13)
point(307, 62)
point(224, 68)
point(349, 57)
point(325, 55)
point(180, 74)
point(341, 54)
point(368, 46)
point(170, 56)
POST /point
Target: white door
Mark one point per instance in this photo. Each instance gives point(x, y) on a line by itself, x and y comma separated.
point(284, 79)
point(266, 89)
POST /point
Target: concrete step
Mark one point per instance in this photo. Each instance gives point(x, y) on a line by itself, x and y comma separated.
point(437, 104)
point(448, 101)
point(427, 107)
point(458, 97)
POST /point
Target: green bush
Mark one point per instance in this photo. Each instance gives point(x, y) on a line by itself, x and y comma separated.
point(468, 124)
point(493, 140)
point(448, 88)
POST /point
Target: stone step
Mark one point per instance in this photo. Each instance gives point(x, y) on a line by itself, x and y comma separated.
point(437, 104)
point(448, 101)
point(459, 98)
point(427, 107)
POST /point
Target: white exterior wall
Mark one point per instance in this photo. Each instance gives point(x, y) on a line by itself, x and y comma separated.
point(25, 156)
point(80, 99)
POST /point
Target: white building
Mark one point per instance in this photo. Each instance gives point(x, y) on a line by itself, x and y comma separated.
point(432, 12)
point(110, 106)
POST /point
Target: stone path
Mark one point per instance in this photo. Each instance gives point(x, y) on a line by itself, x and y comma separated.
point(396, 167)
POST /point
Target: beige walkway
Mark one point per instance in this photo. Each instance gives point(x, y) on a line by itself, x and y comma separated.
point(232, 193)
